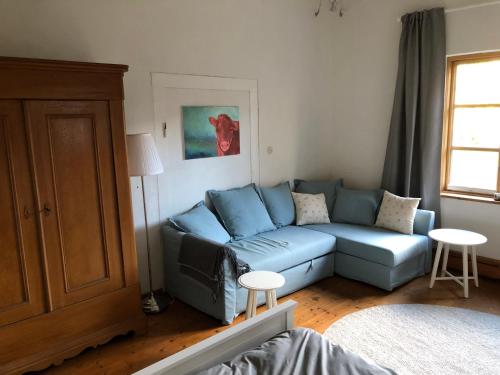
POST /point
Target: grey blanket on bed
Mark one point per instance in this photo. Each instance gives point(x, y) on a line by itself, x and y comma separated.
point(203, 260)
point(299, 351)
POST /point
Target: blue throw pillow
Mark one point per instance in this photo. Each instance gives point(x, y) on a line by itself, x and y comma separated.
point(242, 211)
point(201, 221)
point(329, 188)
point(279, 203)
point(357, 206)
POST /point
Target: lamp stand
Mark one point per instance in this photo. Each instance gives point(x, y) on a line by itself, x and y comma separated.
point(151, 304)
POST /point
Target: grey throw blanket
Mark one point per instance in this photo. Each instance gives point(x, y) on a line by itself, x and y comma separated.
point(298, 352)
point(203, 260)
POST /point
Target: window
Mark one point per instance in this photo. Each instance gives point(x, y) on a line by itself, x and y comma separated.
point(471, 152)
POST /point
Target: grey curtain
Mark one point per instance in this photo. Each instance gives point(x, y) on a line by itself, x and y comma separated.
point(413, 157)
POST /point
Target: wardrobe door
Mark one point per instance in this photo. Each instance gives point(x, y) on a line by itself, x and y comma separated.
point(73, 157)
point(21, 282)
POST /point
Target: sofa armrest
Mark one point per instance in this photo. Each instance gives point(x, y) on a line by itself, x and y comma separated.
point(424, 222)
point(190, 290)
point(171, 241)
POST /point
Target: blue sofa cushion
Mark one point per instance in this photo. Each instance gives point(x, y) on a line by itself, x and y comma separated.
point(357, 206)
point(374, 244)
point(242, 211)
point(282, 249)
point(201, 221)
point(279, 203)
point(329, 188)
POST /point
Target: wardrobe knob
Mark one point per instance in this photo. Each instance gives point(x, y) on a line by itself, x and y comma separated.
point(27, 212)
point(46, 209)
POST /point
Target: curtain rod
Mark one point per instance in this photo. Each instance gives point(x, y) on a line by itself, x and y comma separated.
point(459, 9)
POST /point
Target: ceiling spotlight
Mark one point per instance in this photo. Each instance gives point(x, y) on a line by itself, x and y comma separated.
point(335, 7)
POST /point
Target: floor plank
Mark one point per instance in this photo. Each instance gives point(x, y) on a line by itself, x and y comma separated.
point(319, 306)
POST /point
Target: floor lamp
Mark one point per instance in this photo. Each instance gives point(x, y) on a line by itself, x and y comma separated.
point(143, 160)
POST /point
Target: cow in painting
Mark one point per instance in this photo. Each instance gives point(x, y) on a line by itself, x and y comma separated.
point(228, 135)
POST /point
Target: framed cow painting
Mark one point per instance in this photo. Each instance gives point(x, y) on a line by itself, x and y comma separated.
point(210, 131)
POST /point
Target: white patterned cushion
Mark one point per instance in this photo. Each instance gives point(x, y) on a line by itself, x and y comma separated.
point(397, 213)
point(310, 208)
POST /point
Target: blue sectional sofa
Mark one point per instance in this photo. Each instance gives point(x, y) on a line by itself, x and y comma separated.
point(305, 255)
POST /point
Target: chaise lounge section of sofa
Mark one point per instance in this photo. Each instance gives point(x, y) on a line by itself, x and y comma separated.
point(380, 257)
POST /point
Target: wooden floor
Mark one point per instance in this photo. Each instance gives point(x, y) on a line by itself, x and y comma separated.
point(319, 306)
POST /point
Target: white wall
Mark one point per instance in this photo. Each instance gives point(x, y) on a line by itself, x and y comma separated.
point(277, 42)
point(364, 74)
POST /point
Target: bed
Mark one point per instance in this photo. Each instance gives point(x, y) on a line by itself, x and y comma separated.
point(266, 344)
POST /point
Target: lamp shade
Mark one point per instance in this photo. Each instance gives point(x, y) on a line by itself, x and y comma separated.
point(143, 158)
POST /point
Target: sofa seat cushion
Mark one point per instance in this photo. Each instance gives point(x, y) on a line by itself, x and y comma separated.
point(374, 244)
point(283, 248)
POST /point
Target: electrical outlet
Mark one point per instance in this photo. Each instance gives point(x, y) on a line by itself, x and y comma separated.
point(269, 150)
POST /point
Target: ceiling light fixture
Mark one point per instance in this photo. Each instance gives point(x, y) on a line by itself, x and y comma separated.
point(335, 7)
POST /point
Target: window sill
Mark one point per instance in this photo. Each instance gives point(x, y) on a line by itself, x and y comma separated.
point(468, 197)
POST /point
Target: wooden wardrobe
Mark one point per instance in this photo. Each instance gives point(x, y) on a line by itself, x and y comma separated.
point(68, 272)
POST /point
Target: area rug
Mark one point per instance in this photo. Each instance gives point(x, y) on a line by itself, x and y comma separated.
point(423, 339)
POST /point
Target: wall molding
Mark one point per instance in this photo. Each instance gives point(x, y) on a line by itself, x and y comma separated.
point(185, 182)
point(187, 81)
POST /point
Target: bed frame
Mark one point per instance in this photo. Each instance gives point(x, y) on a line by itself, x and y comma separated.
point(227, 344)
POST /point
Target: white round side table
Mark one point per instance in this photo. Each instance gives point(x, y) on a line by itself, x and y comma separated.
point(257, 281)
point(467, 240)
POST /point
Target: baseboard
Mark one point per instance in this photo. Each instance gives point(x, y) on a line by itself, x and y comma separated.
point(486, 267)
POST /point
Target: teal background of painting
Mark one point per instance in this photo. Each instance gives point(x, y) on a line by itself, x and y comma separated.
point(199, 134)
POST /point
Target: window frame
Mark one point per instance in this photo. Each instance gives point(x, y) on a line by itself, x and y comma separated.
point(449, 109)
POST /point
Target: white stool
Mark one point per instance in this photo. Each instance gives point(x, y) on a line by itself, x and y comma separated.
point(464, 238)
point(256, 281)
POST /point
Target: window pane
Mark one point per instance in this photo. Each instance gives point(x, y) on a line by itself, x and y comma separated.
point(474, 169)
point(478, 83)
point(476, 127)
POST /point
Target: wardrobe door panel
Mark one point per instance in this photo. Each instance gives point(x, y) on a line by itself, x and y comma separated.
point(21, 282)
point(73, 153)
